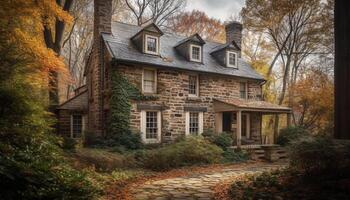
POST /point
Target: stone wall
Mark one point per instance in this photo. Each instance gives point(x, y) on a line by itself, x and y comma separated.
point(172, 90)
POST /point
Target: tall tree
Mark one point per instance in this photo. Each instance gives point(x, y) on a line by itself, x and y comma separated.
point(315, 113)
point(157, 11)
point(293, 27)
point(53, 29)
point(189, 23)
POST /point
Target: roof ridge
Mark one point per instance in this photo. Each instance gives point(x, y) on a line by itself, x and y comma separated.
point(171, 33)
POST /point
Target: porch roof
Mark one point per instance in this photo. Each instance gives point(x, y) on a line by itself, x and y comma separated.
point(249, 105)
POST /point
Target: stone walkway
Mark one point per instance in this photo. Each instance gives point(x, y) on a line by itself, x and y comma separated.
point(197, 186)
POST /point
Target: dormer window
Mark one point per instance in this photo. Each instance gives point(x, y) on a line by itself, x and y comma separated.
point(231, 58)
point(195, 53)
point(151, 45)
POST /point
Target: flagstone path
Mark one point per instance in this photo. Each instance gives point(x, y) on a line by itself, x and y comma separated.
point(196, 186)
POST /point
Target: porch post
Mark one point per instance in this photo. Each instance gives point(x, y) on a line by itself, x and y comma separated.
point(239, 128)
point(289, 119)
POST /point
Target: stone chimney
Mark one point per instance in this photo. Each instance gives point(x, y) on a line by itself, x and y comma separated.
point(102, 24)
point(234, 32)
point(102, 18)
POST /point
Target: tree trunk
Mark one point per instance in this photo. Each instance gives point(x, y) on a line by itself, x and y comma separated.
point(342, 70)
point(55, 43)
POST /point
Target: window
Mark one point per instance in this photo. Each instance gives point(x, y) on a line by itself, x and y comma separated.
point(243, 90)
point(151, 44)
point(149, 81)
point(194, 123)
point(151, 126)
point(76, 126)
point(195, 53)
point(231, 59)
point(193, 85)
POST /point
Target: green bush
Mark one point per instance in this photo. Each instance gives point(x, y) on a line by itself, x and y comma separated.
point(223, 140)
point(101, 159)
point(121, 142)
point(291, 133)
point(129, 140)
point(69, 144)
point(190, 151)
point(231, 156)
point(318, 155)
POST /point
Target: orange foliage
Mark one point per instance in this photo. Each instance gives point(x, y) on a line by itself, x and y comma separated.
point(314, 101)
point(22, 23)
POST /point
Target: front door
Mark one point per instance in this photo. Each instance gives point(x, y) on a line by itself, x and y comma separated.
point(226, 121)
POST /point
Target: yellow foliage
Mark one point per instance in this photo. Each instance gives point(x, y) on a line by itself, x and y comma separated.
point(314, 100)
point(22, 24)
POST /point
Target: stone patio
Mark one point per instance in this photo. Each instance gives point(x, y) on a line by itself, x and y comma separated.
point(197, 186)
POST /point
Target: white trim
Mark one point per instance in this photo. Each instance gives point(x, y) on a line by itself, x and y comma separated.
point(239, 128)
point(197, 85)
point(155, 80)
point(218, 122)
point(187, 123)
point(228, 59)
point(200, 53)
point(157, 45)
point(143, 127)
point(200, 123)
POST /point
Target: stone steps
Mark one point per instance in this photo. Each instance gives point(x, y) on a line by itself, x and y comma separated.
point(270, 153)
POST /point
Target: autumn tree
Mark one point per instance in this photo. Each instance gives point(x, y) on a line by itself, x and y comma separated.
point(293, 27)
point(157, 11)
point(31, 163)
point(189, 23)
point(314, 96)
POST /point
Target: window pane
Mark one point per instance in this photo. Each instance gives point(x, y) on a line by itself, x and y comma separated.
point(77, 126)
point(242, 89)
point(195, 53)
point(192, 85)
point(232, 59)
point(151, 125)
point(194, 123)
point(149, 81)
point(151, 44)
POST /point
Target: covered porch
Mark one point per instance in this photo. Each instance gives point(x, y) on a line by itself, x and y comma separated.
point(243, 119)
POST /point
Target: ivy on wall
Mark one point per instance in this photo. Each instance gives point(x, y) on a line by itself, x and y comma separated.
point(122, 92)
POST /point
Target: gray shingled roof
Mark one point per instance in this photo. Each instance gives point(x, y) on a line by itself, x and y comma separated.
point(122, 49)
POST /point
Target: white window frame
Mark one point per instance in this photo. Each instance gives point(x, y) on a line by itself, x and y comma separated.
point(200, 122)
point(157, 45)
point(82, 126)
point(246, 89)
point(143, 127)
point(197, 86)
point(228, 59)
point(200, 53)
point(155, 81)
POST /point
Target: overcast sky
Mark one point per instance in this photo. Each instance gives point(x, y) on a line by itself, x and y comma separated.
point(220, 9)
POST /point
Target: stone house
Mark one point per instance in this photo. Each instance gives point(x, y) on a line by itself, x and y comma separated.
point(199, 85)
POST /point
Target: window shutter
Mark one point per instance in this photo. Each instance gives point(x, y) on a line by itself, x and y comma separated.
point(143, 125)
point(187, 122)
point(200, 123)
